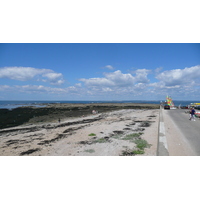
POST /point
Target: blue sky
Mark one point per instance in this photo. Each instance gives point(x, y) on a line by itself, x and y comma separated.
point(99, 71)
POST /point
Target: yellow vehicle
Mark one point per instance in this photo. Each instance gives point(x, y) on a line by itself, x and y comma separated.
point(195, 104)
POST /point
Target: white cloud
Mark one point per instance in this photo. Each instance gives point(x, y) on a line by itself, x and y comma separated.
point(54, 78)
point(118, 83)
point(115, 85)
point(97, 82)
point(175, 82)
point(179, 83)
point(21, 73)
point(141, 75)
point(107, 90)
point(28, 73)
point(180, 76)
point(38, 89)
point(157, 70)
point(109, 67)
point(110, 80)
point(4, 87)
point(118, 79)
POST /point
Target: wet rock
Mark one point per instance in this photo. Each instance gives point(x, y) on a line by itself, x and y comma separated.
point(59, 137)
point(118, 132)
point(127, 129)
point(30, 151)
point(10, 142)
point(83, 142)
point(145, 124)
point(139, 129)
point(127, 152)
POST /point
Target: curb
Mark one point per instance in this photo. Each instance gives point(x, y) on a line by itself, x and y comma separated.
point(162, 141)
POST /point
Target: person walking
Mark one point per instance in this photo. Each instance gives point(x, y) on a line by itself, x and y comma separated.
point(192, 114)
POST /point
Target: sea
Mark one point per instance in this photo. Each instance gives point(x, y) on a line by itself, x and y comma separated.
point(15, 104)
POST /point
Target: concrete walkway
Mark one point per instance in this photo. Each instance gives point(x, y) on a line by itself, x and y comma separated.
point(172, 140)
point(162, 141)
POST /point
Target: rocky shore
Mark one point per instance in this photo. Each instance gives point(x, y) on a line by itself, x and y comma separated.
point(54, 112)
point(120, 129)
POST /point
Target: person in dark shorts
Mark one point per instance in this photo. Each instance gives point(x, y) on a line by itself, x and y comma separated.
point(192, 114)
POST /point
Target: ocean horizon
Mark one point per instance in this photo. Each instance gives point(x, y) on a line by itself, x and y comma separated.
point(15, 104)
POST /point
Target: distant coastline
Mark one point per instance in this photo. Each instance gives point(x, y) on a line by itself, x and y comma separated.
point(15, 104)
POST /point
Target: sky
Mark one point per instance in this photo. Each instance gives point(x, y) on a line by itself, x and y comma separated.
point(99, 71)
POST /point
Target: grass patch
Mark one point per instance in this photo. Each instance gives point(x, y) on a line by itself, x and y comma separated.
point(142, 144)
point(138, 151)
point(101, 140)
point(116, 136)
point(92, 134)
point(90, 150)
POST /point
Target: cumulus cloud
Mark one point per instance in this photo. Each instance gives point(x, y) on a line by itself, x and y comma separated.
point(28, 73)
point(54, 78)
point(21, 73)
point(115, 84)
point(174, 82)
point(141, 75)
point(118, 79)
point(118, 84)
point(110, 80)
point(180, 83)
point(180, 76)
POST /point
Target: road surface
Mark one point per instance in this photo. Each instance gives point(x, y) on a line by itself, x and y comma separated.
point(183, 135)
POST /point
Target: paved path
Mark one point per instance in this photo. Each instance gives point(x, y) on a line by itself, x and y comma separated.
point(162, 141)
point(182, 134)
